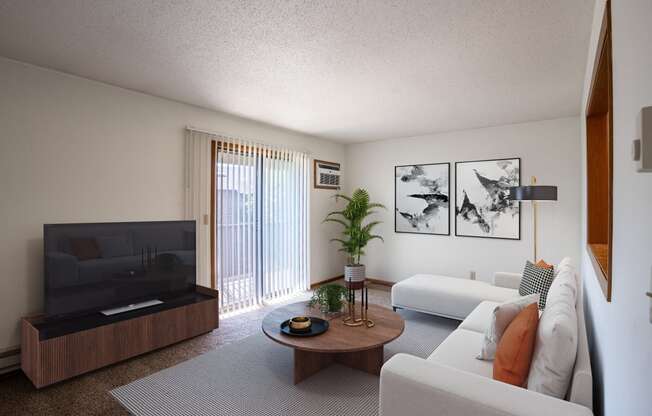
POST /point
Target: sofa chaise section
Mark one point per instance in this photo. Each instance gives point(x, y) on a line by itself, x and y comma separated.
point(450, 297)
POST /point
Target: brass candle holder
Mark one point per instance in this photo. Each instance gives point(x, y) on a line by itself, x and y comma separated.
point(352, 318)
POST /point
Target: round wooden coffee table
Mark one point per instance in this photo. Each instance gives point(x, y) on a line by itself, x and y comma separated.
point(357, 347)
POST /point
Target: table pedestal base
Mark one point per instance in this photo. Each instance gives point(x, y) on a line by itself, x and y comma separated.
point(307, 363)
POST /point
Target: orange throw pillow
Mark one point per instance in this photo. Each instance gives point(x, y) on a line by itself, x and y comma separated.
point(514, 352)
point(542, 264)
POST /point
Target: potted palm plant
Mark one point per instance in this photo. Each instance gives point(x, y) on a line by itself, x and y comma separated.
point(356, 235)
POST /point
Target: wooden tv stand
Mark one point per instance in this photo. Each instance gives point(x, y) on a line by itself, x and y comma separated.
point(54, 352)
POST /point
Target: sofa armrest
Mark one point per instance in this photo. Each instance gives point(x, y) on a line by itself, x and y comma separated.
point(508, 280)
point(416, 387)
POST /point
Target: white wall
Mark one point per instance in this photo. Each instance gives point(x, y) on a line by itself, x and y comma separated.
point(549, 150)
point(77, 150)
point(620, 331)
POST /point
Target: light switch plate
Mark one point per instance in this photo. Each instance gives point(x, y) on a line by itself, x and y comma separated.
point(636, 150)
point(644, 125)
point(649, 298)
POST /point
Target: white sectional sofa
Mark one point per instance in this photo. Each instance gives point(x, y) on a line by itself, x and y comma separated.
point(452, 381)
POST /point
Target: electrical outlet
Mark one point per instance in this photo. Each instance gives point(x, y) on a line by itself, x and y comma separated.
point(472, 275)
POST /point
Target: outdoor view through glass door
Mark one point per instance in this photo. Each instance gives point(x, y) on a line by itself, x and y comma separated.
point(261, 223)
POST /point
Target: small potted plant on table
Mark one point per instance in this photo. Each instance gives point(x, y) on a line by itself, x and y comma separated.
point(330, 298)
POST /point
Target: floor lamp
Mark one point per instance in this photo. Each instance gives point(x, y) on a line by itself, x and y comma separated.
point(533, 193)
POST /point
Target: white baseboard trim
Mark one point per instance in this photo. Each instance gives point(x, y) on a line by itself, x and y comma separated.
point(10, 362)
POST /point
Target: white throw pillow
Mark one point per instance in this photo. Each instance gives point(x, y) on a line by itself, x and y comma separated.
point(501, 317)
point(564, 284)
point(565, 262)
point(555, 349)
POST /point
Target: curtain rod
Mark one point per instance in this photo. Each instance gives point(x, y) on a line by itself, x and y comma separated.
point(226, 136)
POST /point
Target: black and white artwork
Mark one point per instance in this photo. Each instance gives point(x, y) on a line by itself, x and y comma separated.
point(421, 197)
point(482, 207)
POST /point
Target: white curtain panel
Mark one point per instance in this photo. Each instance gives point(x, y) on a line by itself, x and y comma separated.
point(198, 198)
point(285, 232)
point(262, 206)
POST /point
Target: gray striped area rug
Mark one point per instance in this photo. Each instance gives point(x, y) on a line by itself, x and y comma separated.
point(253, 377)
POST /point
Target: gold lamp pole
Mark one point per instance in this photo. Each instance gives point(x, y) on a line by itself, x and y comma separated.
point(533, 193)
point(533, 182)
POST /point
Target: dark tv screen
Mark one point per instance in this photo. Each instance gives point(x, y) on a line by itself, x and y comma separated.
point(96, 266)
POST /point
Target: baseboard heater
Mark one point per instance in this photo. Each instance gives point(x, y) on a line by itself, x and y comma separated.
point(10, 361)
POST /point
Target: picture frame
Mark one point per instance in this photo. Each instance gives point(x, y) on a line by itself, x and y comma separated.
point(482, 207)
point(422, 199)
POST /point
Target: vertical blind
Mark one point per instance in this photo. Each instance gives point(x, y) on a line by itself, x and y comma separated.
point(198, 199)
point(261, 222)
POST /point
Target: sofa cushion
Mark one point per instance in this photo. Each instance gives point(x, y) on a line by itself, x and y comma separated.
point(564, 284)
point(480, 318)
point(557, 337)
point(536, 280)
point(446, 296)
point(542, 264)
point(514, 352)
point(565, 262)
point(499, 319)
point(459, 350)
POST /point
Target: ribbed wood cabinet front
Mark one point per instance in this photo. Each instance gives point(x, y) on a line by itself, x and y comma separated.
point(53, 360)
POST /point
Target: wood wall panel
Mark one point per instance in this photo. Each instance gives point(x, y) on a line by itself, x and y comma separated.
point(599, 158)
point(597, 178)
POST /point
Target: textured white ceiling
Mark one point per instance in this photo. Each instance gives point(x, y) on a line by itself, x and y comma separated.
point(347, 70)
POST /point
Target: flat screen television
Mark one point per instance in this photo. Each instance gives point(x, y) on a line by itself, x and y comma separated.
point(115, 267)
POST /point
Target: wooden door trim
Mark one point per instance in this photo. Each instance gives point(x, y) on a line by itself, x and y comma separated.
point(212, 214)
point(599, 109)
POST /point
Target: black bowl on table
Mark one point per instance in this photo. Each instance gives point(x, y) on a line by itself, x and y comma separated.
point(304, 326)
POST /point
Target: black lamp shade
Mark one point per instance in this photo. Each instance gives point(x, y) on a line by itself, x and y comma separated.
point(533, 193)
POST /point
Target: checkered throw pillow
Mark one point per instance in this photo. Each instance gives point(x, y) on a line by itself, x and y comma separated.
point(536, 280)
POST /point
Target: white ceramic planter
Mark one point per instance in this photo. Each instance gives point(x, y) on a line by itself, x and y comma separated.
point(355, 273)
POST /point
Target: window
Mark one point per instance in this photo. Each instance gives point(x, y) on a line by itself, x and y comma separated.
point(599, 160)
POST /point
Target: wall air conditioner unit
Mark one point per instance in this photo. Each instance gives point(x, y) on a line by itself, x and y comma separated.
point(327, 175)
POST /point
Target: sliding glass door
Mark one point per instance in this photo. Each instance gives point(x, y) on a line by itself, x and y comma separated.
point(237, 224)
point(261, 223)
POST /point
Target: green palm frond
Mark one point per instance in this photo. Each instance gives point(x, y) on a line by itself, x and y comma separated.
point(335, 213)
point(339, 240)
point(357, 235)
point(376, 205)
point(367, 228)
point(344, 197)
point(344, 223)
